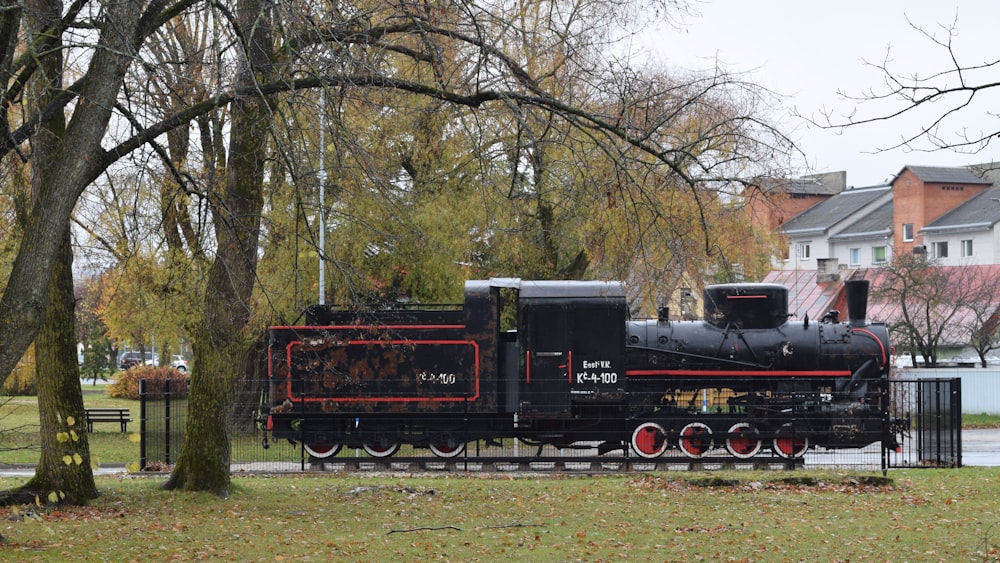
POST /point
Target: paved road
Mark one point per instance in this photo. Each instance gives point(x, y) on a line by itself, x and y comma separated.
point(29, 471)
point(981, 447)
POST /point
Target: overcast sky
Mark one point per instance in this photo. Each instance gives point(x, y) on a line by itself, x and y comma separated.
point(807, 51)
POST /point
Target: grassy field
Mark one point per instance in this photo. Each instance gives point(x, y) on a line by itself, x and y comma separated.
point(915, 515)
point(19, 430)
point(980, 421)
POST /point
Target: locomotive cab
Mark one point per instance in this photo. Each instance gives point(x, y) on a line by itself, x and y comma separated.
point(571, 335)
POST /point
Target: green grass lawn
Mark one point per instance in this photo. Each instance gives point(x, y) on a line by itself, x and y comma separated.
point(108, 445)
point(918, 515)
point(980, 421)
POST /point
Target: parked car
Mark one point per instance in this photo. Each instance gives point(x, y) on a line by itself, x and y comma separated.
point(179, 364)
point(131, 359)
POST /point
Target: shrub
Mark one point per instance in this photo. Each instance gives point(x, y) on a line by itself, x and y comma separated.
point(126, 385)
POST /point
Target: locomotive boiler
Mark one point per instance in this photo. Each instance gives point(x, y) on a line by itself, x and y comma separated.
point(574, 368)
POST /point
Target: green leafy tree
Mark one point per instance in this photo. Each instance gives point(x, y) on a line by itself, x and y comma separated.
point(91, 333)
point(222, 335)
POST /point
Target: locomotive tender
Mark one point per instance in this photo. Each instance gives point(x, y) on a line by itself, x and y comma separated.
point(743, 381)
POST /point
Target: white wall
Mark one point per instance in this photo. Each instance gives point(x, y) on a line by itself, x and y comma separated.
point(980, 387)
point(983, 251)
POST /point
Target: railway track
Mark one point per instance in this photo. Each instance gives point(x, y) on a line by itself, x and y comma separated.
point(518, 465)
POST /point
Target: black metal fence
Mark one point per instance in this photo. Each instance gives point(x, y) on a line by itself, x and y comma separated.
point(162, 418)
point(932, 411)
point(928, 411)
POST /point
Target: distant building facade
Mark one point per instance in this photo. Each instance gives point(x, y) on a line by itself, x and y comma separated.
point(951, 214)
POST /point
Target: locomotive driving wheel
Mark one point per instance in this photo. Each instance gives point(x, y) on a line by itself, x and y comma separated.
point(744, 441)
point(649, 440)
point(695, 440)
point(789, 444)
point(321, 451)
point(447, 449)
point(382, 449)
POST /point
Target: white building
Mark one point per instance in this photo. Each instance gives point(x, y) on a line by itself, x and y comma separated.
point(854, 227)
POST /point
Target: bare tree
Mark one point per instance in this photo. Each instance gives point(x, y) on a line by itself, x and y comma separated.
point(945, 100)
point(933, 305)
point(980, 323)
point(942, 98)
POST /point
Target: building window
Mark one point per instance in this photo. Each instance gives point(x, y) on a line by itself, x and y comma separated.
point(966, 248)
point(907, 232)
point(805, 250)
point(878, 255)
point(940, 249)
point(855, 257)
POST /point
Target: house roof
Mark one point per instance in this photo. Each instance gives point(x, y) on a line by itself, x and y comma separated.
point(945, 175)
point(956, 330)
point(807, 297)
point(989, 171)
point(831, 183)
point(874, 225)
point(825, 214)
point(979, 212)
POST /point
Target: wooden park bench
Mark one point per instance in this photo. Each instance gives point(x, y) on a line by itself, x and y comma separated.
point(120, 416)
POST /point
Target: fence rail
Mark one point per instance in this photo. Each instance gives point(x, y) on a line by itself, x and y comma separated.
point(930, 410)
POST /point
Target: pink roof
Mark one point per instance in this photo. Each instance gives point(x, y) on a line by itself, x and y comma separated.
point(806, 296)
point(956, 330)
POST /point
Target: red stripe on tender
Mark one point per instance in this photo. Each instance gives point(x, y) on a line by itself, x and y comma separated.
point(474, 397)
point(369, 327)
point(748, 373)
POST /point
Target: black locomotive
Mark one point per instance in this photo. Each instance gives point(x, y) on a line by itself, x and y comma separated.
point(745, 379)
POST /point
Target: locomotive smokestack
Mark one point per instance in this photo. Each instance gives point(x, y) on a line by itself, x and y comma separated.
point(857, 301)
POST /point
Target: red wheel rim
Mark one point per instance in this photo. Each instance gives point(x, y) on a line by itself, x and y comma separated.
point(695, 440)
point(379, 450)
point(743, 440)
point(321, 451)
point(649, 440)
point(445, 450)
point(788, 445)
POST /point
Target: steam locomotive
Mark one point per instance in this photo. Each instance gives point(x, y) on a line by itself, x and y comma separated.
point(574, 369)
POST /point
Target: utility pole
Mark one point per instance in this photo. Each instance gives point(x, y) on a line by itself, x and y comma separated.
point(322, 197)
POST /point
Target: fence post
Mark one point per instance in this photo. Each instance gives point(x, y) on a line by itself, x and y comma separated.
point(142, 424)
point(956, 417)
point(166, 422)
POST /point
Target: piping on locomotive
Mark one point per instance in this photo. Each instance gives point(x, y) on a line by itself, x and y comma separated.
point(746, 381)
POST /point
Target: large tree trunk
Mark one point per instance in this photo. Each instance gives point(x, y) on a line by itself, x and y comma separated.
point(221, 341)
point(64, 471)
point(64, 467)
point(75, 163)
